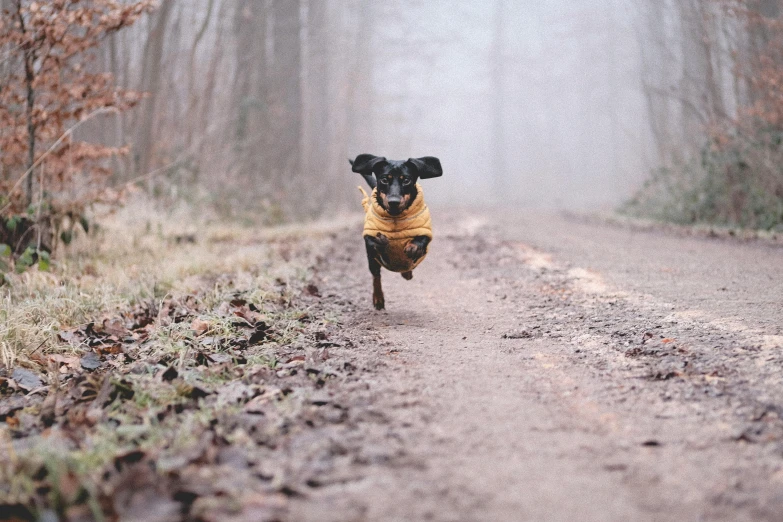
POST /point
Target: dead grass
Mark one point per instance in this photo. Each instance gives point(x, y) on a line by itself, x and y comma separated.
point(174, 393)
point(138, 254)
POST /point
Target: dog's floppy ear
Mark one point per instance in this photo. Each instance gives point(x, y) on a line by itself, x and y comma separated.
point(427, 167)
point(365, 163)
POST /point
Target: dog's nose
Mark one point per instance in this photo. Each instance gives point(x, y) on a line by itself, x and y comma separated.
point(394, 203)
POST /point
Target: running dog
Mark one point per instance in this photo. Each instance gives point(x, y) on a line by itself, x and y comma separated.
point(397, 224)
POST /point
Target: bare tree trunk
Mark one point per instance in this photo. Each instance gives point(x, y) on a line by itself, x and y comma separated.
point(613, 99)
point(361, 122)
point(498, 101)
point(29, 77)
point(193, 98)
point(211, 79)
point(759, 36)
point(340, 63)
point(716, 106)
point(250, 132)
point(286, 93)
point(318, 129)
point(692, 89)
point(153, 60)
point(119, 168)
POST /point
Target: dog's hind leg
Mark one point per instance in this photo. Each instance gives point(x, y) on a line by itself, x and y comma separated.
point(377, 293)
point(407, 275)
point(375, 269)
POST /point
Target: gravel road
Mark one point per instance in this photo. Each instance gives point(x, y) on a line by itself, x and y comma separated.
point(540, 367)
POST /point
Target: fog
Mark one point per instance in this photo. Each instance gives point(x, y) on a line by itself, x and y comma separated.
point(534, 103)
point(564, 77)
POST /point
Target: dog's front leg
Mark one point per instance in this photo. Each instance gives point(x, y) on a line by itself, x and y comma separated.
point(417, 247)
point(375, 247)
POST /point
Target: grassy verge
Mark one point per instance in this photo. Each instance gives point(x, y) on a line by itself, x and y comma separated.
point(153, 369)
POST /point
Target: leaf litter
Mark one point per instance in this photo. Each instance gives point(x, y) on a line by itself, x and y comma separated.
point(180, 408)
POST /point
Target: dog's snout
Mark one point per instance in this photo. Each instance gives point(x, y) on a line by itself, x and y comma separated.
point(394, 202)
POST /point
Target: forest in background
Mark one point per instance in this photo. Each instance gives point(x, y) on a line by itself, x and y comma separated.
point(251, 107)
point(716, 116)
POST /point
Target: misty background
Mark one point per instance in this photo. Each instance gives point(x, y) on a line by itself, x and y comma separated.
point(257, 104)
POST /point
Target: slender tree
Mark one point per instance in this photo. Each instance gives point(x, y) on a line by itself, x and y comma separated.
point(499, 109)
point(286, 92)
point(151, 84)
point(51, 86)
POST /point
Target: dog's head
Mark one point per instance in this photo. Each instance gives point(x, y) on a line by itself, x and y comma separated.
point(396, 179)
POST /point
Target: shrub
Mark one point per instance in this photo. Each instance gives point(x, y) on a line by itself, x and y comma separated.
point(736, 181)
point(49, 86)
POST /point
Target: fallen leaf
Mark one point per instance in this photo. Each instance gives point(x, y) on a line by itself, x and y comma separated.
point(26, 379)
point(11, 404)
point(258, 335)
point(221, 358)
point(256, 404)
point(69, 336)
point(115, 327)
point(71, 362)
point(109, 349)
point(91, 361)
point(199, 326)
point(169, 374)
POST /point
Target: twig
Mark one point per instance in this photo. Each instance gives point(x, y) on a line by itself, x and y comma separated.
point(40, 204)
point(39, 346)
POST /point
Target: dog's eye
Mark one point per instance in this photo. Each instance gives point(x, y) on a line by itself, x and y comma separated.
point(383, 181)
point(406, 181)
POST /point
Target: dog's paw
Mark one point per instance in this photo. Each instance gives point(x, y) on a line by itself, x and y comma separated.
point(413, 251)
point(407, 275)
point(378, 302)
point(381, 240)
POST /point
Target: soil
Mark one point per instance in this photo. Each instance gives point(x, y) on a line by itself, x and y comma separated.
point(540, 367)
point(537, 367)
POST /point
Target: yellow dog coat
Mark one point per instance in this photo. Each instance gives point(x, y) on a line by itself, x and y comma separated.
point(412, 222)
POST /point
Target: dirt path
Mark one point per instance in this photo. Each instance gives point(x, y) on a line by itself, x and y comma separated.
point(540, 369)
point(553, 370)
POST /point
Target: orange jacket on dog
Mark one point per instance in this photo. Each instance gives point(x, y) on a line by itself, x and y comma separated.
point(414, 221)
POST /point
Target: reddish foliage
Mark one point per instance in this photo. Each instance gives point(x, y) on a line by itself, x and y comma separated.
point(760, 61)
point(48, 83)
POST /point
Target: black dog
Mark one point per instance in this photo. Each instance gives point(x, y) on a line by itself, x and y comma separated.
point(395, 192)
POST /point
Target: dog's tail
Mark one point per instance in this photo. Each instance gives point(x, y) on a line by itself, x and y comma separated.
point(365, 199)
point(367, 177)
